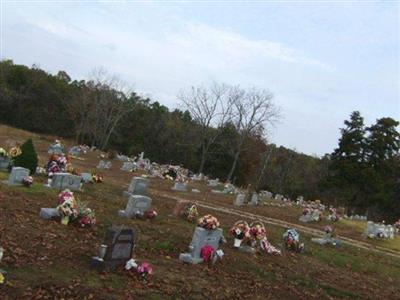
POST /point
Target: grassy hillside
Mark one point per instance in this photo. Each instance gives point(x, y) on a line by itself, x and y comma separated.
point(47, 260)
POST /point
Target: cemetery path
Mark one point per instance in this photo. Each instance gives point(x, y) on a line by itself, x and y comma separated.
point(280, 223)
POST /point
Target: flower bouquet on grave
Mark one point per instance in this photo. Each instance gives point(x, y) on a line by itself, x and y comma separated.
point(86, 218)
point(150, 214)
point(15, 151)
point(97, 178)
point(3, 152)
point(257, 231)
point(306, 211)
point(291, 240)
point(333, 215)
point(27, 181)
point(191, 213)
point(240, 231)
point(267, 247)
point(208, 222)
point(144, 269)
point(68, 208)
point(397, 226)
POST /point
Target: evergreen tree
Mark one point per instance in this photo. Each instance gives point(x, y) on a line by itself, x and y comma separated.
point(28, 157)
point(349, 163)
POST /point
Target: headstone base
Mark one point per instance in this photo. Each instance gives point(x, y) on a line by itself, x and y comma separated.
point(187, 258)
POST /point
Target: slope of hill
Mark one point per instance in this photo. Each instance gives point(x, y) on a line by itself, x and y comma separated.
point(47, 260)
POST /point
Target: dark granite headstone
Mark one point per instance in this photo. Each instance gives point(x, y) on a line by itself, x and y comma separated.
point(117, 248)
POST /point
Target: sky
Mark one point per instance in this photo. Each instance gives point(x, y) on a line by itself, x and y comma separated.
point(321, 59)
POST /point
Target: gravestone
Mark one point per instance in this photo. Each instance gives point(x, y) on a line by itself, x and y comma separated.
point(239, 200)
point(4, 162)
point(86, 177)
point(181, 207)
point(138, 186)
point(104, 165)
point(123, 158)
point(201, 238)
point(180, 186)
point(75, 151)
point(137, 205)
point(213, 182)
point(117, 248)
point(48, 213)
point(62, 181)
point(56, 149)
point(254, 199)
point(17, 175)
point(128, 166)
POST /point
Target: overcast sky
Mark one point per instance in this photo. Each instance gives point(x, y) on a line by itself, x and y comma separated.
point(321, 60)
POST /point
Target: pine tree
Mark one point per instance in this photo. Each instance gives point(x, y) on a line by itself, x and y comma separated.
point(28, 157)
point(349, 162)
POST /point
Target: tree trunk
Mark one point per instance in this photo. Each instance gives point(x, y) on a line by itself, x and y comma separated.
point(229, 177)
point(202, 163)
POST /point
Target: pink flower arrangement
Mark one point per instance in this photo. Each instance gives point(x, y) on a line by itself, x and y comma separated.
point(258, 231)
point(328, 229)
point(240, 230)
point(208, 222)
point(27, 181)
point(65, 195)
point(144, 269)
point(86, 218)
point(150, 214)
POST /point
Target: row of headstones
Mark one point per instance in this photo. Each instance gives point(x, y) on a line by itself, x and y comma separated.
point(60, 181)
point(240, 199)
point(376, 230)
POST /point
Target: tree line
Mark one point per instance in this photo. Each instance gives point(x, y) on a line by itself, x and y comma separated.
point(220, 131)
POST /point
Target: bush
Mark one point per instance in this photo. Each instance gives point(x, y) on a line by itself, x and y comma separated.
point(28, 157)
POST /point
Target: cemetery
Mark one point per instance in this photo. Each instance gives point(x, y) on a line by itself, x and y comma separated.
point(205, 245)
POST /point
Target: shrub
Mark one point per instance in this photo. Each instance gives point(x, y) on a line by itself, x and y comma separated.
point(28, 158)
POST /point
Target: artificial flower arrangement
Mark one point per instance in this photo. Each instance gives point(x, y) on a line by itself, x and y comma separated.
point(259, 234)
point(15, 151)
point(191, 213)
point(291, 240)
point(27, 181)
point(97, 178)
point(144, 269)
point(333, 214)
point(240, 231)
point(57, 163)
point(306, 211)
point(72, 210)
point(397, 226)
point(208, 222)
point(3, 152)
point(150, 214)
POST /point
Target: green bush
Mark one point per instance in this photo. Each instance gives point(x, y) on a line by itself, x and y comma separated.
point(28, 157)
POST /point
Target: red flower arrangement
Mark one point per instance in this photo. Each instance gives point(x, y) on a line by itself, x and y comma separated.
point(258, 231)
point(207, 253)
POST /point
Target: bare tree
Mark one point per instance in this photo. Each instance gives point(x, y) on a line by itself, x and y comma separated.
point(210, 109)
point(98, 110)
point(253, 110)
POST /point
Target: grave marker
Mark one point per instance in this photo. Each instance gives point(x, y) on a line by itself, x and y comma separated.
point(117, 248)
point(201, 238)
point(17, 175)
point(62, 181)
point(137, 205)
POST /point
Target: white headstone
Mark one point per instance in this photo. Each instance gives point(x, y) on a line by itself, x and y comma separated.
point(239, 200)
point(137, 205)
point(138, 186)
point(201, 238)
